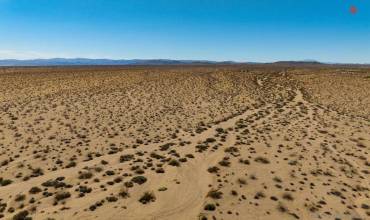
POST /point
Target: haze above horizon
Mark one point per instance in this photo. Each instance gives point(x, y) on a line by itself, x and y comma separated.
point(219, 30)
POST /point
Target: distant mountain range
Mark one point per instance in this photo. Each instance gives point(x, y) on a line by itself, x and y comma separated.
point(111, 62)
point(86, 61)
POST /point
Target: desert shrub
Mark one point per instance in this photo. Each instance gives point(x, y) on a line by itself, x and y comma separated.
point(54, 183)
point(213, 169)
point(277, 179)
point(20, 197)
point(4, 163)
point(282, 208)
point(5, 182)
point(139, 171)
point(84, 189)
point(210, 140)
point(253, 177)
point(246, 161)
point(201, 147)
point(147, 197)
point(210, 207)
point(156, 156)
point(139, 179)
point(288, 196)
point(85, 175)
point(174, 163)
point(189, 156)
point(215, 194)
point(234, 193)
point(259, 195)
point(104, 162)
point(166, 146)
point(61, 196)
point(125, 158)
point(220, 130)
point(32, 200)
point(129, 184)
point(112, 199)
point(22, 215)
point(111, 183)
point(2, 207)
point(110, 172)
point(199, 130)
point(37, 172)
point(34, 190)
point(161, 189)
point(11, 209)
point(224, 163)
point(274, 198)
point(231, 150)
point(242, 181)
point(262, 160)
point(71, 164)
point(124, 193)
point(98, 169)
point(92, 208)
point(159, 170)
point(118, 179)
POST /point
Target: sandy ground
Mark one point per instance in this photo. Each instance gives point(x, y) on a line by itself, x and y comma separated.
point(221, 142)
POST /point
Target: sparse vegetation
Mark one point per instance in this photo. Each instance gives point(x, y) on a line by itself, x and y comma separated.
point(256, 138)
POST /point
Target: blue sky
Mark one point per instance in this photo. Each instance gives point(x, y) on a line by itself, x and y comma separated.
point(240, 30)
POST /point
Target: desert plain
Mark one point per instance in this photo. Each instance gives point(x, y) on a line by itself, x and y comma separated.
point(249, 142)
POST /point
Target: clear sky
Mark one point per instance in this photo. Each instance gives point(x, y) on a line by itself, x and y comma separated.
point(240, 30)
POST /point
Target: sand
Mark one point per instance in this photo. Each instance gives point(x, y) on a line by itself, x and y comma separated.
point(185, 142)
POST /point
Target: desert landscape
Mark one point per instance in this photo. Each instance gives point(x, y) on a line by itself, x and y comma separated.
point(205, 142)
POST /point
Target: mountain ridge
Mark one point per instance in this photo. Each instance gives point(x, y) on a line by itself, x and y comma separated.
point(87, 61)
point(113, 62)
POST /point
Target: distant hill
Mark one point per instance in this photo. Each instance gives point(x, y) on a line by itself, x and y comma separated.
point(305, 62)
point(313, 63)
